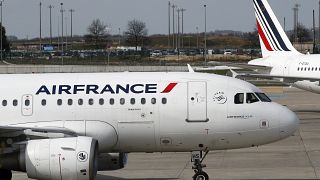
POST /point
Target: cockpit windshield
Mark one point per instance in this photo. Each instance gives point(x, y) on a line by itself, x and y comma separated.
point(251, 98)
point(263, 97)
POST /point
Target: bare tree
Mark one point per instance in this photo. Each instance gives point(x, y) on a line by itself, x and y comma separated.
point(136, 33)
point(98, 33)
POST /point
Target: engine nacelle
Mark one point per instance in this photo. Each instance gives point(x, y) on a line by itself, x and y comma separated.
point(112, 161)
point(72, 158)
point(308, 86)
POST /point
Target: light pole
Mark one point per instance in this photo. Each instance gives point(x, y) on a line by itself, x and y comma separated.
point(169, 6)
point(197, 37)
point(1, 31)
point(205, 34)
point(178, 34)
point(62, 40)
point(40, 45)
point(71, 35)
point(119, 37)
point(173, 30)
point(182, 43)
point(50, 8)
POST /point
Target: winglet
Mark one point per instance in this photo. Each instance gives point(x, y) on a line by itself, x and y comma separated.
point(190, 69)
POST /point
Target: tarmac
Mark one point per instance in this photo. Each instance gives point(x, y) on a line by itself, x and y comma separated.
point(297, 157)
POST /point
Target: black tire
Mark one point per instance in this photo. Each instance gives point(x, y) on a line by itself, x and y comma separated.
point(201, 176)
point(5, 174)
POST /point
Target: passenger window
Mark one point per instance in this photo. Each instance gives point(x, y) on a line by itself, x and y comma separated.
point(43, 102)
point(122, 101)
point(132, 101)
point(101, 101)
point(153, 101)
point(59, 102)
point(251, 98)
point(4, 103)
point(239, 98)
point(111, 101)
point(298, 69)
point(15, 102)
point(305, 69)
point(164, 100)
point(80, 102)
point(27, 102)
point(143, 100)
point(312, 69)
point(70, 102)
point(90, 101)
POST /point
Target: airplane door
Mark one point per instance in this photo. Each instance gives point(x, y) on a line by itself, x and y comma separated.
point(27, 105)
point(197, 102)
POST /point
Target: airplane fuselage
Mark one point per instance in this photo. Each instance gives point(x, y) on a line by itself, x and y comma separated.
point(157, 112)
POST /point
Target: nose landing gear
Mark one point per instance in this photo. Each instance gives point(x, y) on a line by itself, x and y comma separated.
point(196, 158)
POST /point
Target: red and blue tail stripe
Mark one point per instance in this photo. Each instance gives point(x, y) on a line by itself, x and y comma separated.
point(267, 30)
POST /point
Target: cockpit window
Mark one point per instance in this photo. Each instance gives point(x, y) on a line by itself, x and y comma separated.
point(263, 97)
point(238, 98)
point(251, 98)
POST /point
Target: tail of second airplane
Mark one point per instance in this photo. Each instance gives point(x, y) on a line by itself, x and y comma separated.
point(273, 39)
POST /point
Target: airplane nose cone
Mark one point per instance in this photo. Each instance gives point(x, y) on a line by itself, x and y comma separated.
point(288, 123)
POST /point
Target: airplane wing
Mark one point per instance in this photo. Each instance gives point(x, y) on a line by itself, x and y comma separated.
point(35, 132)
point(268, 76)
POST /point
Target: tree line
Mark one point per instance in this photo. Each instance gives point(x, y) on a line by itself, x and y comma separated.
point(99, 33)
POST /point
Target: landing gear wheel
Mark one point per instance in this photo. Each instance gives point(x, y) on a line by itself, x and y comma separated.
point(201, 176)
point(196, 158)
point(5, 174)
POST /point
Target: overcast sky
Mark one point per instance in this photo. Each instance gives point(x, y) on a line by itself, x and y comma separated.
point(21, 17)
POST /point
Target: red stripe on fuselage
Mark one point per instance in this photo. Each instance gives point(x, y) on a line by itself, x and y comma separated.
point(169, 88)
point(263, 37)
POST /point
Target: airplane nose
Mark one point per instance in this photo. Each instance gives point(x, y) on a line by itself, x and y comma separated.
point(288, 123)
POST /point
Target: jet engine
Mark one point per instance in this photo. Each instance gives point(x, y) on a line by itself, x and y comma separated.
point(308, 86)
point(63, 158)
point(74, 158)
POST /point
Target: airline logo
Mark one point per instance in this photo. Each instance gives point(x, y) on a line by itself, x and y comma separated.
point(268, 32)
point(108, 88)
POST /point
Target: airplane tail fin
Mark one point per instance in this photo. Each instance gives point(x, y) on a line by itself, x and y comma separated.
point(273, 39)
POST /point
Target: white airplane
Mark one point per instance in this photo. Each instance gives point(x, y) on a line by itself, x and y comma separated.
point(69, 126)
point(279, 56)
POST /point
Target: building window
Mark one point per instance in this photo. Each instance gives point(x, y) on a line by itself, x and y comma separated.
point(122, 101)
point(143, 100)
point(43, 102)
point(101, 101)
point(90, 101)
point(132, 101)
point(111, 101)
point(153, 101)
point(59, 102)
point(70, 102)
point(15, 102)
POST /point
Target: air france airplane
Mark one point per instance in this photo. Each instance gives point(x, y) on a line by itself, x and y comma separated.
point(69, 126)
point(279, 56)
